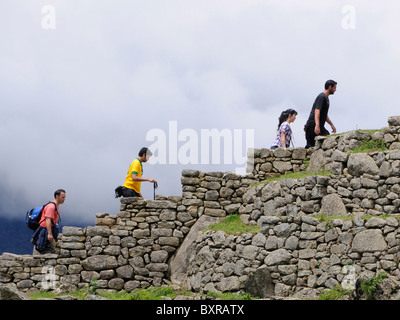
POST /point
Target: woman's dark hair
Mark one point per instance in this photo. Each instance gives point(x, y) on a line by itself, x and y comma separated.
point(284, 116)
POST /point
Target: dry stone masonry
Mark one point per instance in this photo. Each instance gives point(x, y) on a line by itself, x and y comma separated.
point(298, 251)
point(298, 255)
point(266, 163)
point(368, 184)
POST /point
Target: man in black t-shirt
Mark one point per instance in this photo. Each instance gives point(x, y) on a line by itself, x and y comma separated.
point(315, 125)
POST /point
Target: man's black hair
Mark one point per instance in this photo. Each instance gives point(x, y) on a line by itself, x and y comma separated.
point(145, 151)
point(330, 83)
point(58, 192)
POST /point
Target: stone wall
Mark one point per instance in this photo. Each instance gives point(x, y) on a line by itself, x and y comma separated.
point(123, 251)
point(220, 193)
point(332, 152)
point(133, 248)
point(148, 240)
point(349, 141)
point(265, 163)
point(213, 193)
point(369, 184)
point(28, 271)
point(359, 183)
point(300, 255)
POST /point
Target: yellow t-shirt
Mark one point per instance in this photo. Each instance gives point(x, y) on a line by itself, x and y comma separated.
point(135, 167)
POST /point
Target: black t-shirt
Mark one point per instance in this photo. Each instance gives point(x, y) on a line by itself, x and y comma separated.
point(321, 103)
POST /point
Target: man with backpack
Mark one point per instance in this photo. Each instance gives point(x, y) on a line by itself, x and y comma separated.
point(45, 235)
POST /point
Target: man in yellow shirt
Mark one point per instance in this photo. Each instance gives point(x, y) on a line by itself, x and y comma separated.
point(133, 180)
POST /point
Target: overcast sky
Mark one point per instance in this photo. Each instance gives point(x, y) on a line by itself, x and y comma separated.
point(83, 83)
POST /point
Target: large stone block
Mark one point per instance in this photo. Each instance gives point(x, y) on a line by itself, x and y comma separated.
point(394, 121)
point(161, 204)
point(369, 241)
point(280, 256)
point(73, 231)
point(332, 205)
point(360, 163)
point(98, 231)
point(99, 262)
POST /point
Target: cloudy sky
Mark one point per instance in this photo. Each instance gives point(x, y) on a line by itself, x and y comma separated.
point(85, 84)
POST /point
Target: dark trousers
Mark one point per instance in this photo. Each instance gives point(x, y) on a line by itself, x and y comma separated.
point(122, 191)
point(310, 135)
point(126, 192)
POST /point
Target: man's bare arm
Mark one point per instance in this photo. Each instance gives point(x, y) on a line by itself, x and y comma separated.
point(317, 114)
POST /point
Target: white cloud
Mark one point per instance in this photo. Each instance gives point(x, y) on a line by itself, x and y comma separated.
point(85, 94)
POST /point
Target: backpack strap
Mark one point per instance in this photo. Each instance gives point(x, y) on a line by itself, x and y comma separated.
point(55, 208)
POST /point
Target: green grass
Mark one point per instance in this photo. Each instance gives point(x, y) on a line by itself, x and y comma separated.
point(151, 293)
point(154, 293)
point(230, 296)
point(370, 286)
point(79, 294)
point(42, 295)
point(335, 293)
point(369, 131)
point(370, 146)
point(233, 225)
point(121, 295)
